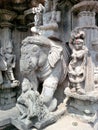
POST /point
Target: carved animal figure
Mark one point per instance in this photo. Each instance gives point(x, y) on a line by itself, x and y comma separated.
point(44, 61)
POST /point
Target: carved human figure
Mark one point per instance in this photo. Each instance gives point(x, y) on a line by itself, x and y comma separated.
point(38, 15)
point(37, 18)
point(77, 65)
point(3, 65)
point(29, 103)
point(10, 59)
point(23, 102)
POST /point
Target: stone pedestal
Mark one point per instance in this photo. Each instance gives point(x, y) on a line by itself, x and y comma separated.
point(51, 118)
point(50, 26)
point(83, 107)
point(7, 98)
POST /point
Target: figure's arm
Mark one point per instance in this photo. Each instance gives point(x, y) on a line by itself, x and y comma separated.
point(13, 61)
point(85, 56)
point(21, 100)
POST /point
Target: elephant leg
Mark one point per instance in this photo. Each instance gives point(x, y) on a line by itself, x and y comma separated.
point(49, 87)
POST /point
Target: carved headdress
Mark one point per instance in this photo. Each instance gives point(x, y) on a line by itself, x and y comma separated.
point(76, 36)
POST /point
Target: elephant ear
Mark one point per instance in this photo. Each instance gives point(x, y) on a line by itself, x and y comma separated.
point(54, 55)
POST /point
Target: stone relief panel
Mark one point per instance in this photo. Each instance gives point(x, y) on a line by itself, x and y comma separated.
point(44, 65)
point(42, 61)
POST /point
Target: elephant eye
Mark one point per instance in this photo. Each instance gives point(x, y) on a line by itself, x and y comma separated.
point(35, 48)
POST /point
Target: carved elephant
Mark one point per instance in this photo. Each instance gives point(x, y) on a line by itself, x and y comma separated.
point(44, 61)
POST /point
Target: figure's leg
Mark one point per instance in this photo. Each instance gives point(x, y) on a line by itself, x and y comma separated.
point(1, 78)
point(79, 88)
point(31, 109)
point(22, 110)
point(10, 74)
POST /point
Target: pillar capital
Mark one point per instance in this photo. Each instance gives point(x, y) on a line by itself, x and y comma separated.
point(19, 5)
point(7, 17)
point(85, 5)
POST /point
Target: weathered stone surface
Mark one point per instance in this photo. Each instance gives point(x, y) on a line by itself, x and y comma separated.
point(84, 107)
point(7, 99)
point(49, 119)
point(5, 116)
point(55, 19)
point(50, 70)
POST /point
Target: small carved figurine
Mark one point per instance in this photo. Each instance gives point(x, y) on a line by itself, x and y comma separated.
point(77, 65)
point(23, 100)
point(29, 103)
point(3, 65)
point(10, 59)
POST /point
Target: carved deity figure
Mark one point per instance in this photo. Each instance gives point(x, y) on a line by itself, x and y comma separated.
point(77, 65)
point(10, 59)
point(38, 14)
point(37, 11)
point(3, 65)
point(23, 102)
point(29, 103)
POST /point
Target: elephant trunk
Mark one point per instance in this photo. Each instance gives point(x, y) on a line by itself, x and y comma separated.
point(27, 65)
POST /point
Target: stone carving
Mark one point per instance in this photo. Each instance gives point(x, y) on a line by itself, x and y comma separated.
point(81, 101)
point(37, 18)
point(3, 65)
point(47, 5)
point(43, 61)
point(33, 113)
point(8, 61)
point(77, 65)
point(30, 104)
point(38, 14)
point(51, 18)
point(46, 24)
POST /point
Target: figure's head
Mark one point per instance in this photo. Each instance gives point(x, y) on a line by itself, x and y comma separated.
point(25, 85)
point(77, 36)
point(9, 46)
point(78, 44)
point(9, 49)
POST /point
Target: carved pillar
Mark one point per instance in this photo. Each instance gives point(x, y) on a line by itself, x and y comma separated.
point(5, 24)
point(86, 11)
point(20, 6)
point(7, 94)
